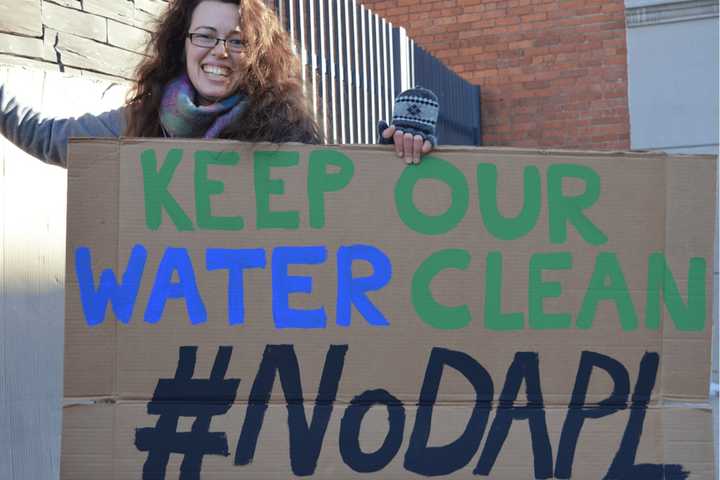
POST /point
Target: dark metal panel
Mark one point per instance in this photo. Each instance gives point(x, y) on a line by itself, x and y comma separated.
point(459, 120)
point(397, 72)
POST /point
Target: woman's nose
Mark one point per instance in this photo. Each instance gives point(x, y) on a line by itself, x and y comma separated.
point(220, 49)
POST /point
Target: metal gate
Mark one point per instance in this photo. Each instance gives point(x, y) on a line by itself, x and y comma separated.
point(355, 63)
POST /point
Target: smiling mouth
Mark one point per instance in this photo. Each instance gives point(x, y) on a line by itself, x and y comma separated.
point(216, 71)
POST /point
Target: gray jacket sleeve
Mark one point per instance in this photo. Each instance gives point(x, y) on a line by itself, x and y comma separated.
point(47, 138)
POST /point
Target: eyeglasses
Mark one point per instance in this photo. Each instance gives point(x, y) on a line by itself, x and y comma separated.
point(204, 40)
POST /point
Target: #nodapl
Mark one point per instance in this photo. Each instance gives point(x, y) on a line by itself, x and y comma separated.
point(204, 398)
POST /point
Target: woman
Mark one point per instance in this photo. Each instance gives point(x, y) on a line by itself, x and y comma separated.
point(213, 69)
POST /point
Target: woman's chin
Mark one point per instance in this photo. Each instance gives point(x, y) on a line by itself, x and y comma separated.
point(207, 96)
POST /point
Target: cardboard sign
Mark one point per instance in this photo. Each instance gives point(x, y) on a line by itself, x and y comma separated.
point(255, 311)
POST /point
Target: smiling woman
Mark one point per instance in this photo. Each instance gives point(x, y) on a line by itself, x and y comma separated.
point(220, 69)
point(214, 69)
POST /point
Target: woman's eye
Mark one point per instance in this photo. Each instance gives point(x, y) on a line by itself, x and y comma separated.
point(235, 43)
point(202, 36)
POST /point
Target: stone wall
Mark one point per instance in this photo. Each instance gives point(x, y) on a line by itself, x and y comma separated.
point(105, 37)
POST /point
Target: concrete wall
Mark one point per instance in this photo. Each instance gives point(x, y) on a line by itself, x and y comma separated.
point(673, 76)
point(32, 271)
point(63, 58)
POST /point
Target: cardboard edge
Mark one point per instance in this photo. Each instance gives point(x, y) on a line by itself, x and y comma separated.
point(94, 140)
point(500, 150)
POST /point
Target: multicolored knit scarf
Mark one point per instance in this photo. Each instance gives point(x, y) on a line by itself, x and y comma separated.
point(180, 117)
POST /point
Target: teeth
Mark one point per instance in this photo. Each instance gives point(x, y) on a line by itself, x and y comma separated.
point(216, 70)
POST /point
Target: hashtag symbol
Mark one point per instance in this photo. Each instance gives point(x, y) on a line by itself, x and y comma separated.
point(183, 396)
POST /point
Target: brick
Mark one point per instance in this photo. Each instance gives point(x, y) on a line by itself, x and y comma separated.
point(495, 14)
point(64, 19)
point(461, 59)
point(435, 29)
point(402, 19)
point(535, 17)
point(21, 16)
point(520, 11)
point(127, 37)
point(115, 9)
point(483, 24)
point(614, 42)
point(83, 53)
point(470, 34)
point(614, 7)
point(477, 50)
point(395, 12)
point(590, 9)
point(519, 3)
point(536, 85)
point(473, 3)
point(521, 44)
point(444, 20)
point(474, 9)
point(456, 28)
point(548, 75)
point(36, 64)
point(22, 46)
point(471, 17)
point(504, 29)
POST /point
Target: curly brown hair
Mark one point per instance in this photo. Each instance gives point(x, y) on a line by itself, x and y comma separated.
point(278, 110)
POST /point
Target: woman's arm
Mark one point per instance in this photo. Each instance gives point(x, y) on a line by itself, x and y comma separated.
point(47, 138)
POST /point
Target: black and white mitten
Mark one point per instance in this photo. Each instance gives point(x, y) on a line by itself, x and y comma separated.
point(416, 111)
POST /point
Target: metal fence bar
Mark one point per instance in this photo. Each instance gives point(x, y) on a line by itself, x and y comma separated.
point(332, 62)
point(355, 42)
point(387, 65)
point(364, 74)
point(321, 72)
point(312, 14)
point(346, 71)
point(302, 35)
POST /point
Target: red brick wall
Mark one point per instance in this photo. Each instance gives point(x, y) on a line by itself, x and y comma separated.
point(553, 73)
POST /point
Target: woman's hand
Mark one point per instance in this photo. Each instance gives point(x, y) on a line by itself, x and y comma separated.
point(408, 146)
point(415, 116)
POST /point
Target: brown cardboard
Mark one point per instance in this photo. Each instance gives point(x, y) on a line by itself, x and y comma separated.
point(646, 203)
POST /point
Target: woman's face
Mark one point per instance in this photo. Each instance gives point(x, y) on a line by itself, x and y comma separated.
point(214, 72)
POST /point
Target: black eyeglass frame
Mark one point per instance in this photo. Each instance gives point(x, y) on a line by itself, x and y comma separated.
point(228, 47)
